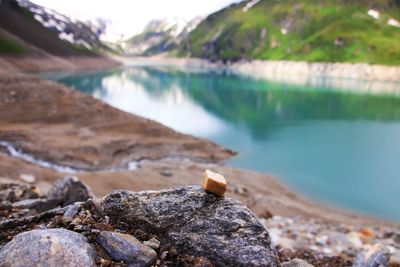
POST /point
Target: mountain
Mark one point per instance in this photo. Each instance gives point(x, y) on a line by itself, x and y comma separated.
point(160, 36)
point(309, 30)
point(26, 27)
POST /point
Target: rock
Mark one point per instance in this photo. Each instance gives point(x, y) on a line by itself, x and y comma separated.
point(50, 247)
point(27, 178)
point(366, 232)
point(214, 183)
point(395, 258)
point(297, 263)
point(5, 209)
point(123, 247)
point(376, 256)
point(166, 172)
point(289, 243)
point(68, 190)
point(15, 191)
point(202, 262)
point(153, 243)
point(195, 223)
point(71, 212)
point(354, 239)
point(38, 204)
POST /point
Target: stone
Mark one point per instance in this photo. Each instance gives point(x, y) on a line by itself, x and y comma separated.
point(5, 209)
point(214, 183)
point(50, 247)
point(289, 243)
point(38, 204)
point(153, 243)
point(124, 247)
point(194, 222)
point(395, 258)
point(297, 263)
point(27, 178)
point(166, 172)
point(366, 232)
point(202, 262)
point(68, 190)
point(71, 212)
point(376, 256)
point(15, 191)
point(354, 239)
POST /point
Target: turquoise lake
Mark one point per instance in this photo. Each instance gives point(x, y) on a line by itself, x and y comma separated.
point(336, 146)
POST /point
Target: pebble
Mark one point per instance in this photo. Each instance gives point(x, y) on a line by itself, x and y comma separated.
point(330, 239)
point(69, 190)
point(124, 247)
point(152, 243)
point(38, 204)
point(354, 239)
point(214, 183)
point(166, 172)
point(70, 213)
point(27, 178)
point(202, 262)
point(50, 247)
point(297, 263)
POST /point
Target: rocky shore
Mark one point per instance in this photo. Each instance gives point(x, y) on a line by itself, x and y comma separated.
point(361, 78)
point(48, 130)
point(182, 226)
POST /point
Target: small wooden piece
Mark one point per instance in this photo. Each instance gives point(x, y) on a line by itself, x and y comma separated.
point(214, 183)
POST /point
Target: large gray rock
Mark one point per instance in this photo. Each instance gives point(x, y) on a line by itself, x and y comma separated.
point(68, 190)
point(123, 247)
point(195, 223)
point(50, 247)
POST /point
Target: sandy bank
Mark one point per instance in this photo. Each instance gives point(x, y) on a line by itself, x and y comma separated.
point(69, 128)
point(38, 63)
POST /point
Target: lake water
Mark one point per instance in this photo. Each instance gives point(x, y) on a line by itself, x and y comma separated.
point(334, 146)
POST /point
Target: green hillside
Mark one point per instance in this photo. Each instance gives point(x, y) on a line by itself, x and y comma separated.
point(310, 30)
point(10, 46)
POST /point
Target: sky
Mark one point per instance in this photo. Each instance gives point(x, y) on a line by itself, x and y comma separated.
point(129, 17)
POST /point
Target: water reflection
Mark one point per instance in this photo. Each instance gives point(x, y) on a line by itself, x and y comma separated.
point(336, 146)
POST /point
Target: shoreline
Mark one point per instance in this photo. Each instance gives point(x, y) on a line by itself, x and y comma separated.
point(357, 78)
point(49, 63)
point(49, 123)
point(47, 133)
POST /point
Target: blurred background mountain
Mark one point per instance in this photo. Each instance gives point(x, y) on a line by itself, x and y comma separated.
point(310, 30)
point(26, 28)
point(364, 31)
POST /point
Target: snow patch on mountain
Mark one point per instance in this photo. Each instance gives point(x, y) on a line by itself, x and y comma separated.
point(250, 4)
point(86, 34)
point(160, 36)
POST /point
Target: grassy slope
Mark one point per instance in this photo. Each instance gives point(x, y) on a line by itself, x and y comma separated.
point(313, 26)
point(8, 46)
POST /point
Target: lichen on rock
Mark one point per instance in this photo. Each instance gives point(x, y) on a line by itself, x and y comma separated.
point(196, 223)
